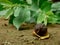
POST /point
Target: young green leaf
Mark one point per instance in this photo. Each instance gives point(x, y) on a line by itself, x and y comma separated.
point(1, 7)
point(46, 6)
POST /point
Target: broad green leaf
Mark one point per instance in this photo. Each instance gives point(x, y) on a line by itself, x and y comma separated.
point(36, 2)
point(51, 17)
point(24, 15)
point(46, 6)
point(9, 13)
point(25, 12)
point(29, 1)
point(17, 11)
point(34, 7)
point(6, 3)
point(6, 13)
point(1, 7)
point(55, 6)
point(28, 14)
point(57, 12)
point(35, 14)
point(3, 12)
point(41, 17)
point(52, 20)
point(41, 2)
point(18, 21)
point(58, 17)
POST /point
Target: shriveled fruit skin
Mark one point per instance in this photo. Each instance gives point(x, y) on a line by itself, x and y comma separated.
point(40, 31)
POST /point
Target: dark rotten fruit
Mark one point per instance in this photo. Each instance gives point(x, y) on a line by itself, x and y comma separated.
point(41, 31)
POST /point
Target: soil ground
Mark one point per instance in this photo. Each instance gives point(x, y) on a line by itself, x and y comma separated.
point(10, 36)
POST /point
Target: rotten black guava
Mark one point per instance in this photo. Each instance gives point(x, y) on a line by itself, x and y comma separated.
point(41, 31)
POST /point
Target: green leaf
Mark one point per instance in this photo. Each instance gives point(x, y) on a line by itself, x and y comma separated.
point(55, 6)
point(3, 12)
point(18, 21)
point(41, 17)
point(58, 17)
point(24, 15)
point(17, 11)
point(57, 12)
point(28, 14)
point(34, 7)
point(29, 1)
point(41, 2)
point(1, 7)
point(6, 3)
point(9, 13)
point(36, 2)
point(52, 18)
point(46, 6)
point(35, 14)
point(6, 13)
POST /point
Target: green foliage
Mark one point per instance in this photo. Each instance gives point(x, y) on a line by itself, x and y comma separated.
point(56, 10)
point(21, 11)
point(22, 16)
point(29, 1)
point(1, 7)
